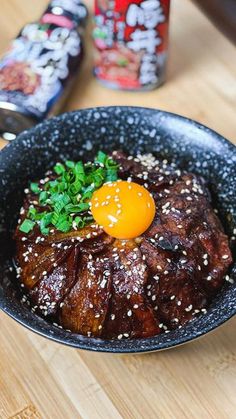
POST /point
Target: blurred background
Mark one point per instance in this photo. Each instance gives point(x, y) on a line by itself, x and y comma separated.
point(201, 78)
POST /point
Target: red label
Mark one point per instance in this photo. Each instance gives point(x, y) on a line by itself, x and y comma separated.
point(131, 40)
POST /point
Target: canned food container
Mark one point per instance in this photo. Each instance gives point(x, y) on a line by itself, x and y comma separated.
point(131, 43)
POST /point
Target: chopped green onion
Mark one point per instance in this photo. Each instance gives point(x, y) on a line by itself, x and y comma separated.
point(59, 168)
point(27, 226)
point(42, 197)
point(67, 194)
point(70, 164)
point(35, 188)
point(101, 157)
point(45, 222)
point(64, 224)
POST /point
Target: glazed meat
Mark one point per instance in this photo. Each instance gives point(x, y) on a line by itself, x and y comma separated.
point(92, 284)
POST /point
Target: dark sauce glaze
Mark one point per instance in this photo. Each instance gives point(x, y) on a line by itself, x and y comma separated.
point(95, 285)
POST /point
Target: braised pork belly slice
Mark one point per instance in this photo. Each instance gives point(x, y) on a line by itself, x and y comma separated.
point(85, 307)
point(130, 313)
point(51, 289)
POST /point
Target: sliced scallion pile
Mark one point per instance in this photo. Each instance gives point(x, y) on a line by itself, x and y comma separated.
point(63, 200)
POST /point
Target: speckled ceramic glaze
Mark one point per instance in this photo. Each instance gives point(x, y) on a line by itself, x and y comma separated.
point(79, 135)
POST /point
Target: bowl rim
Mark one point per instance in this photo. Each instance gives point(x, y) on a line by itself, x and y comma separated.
point(183, 118)
point(106, 345)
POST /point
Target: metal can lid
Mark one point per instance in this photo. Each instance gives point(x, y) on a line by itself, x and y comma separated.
point(13, 120)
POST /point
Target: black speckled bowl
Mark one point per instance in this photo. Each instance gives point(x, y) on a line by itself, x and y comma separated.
point(81, 134)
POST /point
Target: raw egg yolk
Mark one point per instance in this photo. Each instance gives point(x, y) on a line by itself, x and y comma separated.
point(124, 209)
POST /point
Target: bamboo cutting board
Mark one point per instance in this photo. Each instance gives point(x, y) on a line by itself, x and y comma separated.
point(42, 379)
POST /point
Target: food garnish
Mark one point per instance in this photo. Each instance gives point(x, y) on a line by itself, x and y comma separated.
point(63, 198)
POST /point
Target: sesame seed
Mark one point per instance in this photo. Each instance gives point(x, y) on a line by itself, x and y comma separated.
point(103, 283)
point(228, 279)
point(120, 336)
point(196, 311)
point(225, 257)
point(129, 313)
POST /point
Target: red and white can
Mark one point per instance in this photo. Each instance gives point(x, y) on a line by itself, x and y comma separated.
point(131, 42)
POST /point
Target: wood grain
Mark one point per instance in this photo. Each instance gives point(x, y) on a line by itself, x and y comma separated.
point(41, 379)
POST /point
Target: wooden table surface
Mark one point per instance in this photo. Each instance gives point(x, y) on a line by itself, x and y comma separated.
point(42, 379)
